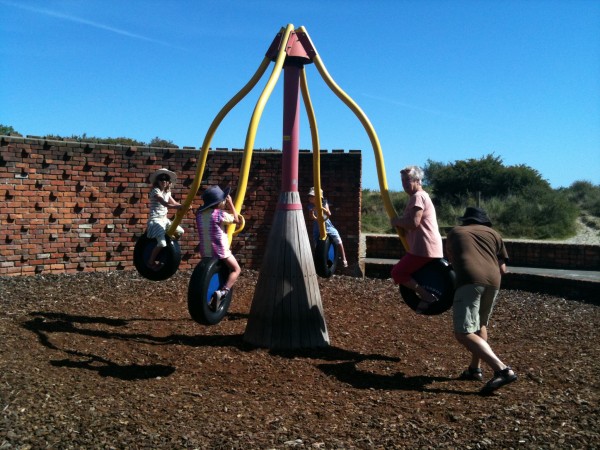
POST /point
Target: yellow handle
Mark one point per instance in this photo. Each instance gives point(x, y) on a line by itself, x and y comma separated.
point(254, 121)
point(314, 134)
point(240, 226)
point(207, 140)
point(383, 187)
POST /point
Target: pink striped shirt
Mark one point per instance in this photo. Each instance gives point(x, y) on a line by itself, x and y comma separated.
point(211, 225)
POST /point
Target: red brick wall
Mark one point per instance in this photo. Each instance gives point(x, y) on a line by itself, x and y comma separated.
point(70, 206)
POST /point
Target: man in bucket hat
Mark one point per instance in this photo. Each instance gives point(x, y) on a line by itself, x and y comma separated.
point(477, 254)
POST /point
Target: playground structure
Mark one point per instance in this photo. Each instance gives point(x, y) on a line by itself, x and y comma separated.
point(286, 311)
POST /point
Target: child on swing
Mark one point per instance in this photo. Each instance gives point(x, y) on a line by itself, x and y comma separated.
point(160, 201)
point(329, 228)
point(211, 221)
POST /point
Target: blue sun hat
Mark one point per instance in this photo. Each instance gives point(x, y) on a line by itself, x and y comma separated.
point(213, 196)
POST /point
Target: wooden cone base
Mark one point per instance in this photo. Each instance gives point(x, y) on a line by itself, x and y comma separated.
point(286, 310)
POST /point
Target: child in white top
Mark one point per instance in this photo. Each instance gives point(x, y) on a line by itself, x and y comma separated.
point(158, 222)
point(333, 233)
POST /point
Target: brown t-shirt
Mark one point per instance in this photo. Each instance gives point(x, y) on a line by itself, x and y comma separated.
point(474, 251)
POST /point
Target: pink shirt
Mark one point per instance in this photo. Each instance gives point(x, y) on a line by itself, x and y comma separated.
point(426, 239)
point(211, 232)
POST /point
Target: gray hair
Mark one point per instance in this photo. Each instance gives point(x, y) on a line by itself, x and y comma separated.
point(414, 173)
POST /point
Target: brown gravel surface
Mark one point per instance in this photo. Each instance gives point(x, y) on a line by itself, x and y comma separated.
point(114, 361)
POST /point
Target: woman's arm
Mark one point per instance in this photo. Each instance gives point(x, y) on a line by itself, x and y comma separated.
point(409, 221)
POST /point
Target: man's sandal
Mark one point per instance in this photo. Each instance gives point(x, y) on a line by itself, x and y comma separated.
point(501, 378)
point(470, 373)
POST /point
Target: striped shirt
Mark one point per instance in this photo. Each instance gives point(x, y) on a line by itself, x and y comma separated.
point(211, 225)
point(156, 208)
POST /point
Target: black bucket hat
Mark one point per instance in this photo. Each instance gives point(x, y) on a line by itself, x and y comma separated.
point(477, 215)
point(213, 196)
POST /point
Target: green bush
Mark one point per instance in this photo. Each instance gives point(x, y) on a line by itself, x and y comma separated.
point(586, 195)
point(374, 216)
point(537, 214)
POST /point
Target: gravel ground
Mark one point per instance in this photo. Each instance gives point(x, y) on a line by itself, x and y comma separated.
point(114, 361)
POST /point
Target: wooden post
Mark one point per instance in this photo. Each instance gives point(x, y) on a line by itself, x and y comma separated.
point(286, 311)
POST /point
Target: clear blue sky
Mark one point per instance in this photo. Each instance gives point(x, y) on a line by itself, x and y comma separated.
point(439, 80)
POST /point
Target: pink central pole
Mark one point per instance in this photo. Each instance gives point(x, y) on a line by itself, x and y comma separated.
point(286, 311)
point(291, 128)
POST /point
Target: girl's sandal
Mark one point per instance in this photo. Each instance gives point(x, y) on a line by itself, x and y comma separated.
point(156, 266)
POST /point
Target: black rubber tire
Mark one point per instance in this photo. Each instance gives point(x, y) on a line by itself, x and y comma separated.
point(170, 257)
point(439, 279)
point(326, 257)
point(209, 275)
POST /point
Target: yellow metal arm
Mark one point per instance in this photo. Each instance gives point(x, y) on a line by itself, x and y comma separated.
point(253, 126)
point(314, 134)
point(207, 140)
point(383, 187)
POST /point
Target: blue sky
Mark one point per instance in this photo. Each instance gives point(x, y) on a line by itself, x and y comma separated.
point(439, 80)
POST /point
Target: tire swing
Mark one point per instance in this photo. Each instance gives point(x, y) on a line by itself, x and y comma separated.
point(326, 255)
point(438, 278)
point(208, 276)
point(169, 257)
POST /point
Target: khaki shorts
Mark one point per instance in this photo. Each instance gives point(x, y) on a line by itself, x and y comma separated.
point(472, 308)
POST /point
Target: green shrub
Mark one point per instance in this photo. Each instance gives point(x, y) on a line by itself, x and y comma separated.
point(374, 216)
point(586, 195)
point(538, 214)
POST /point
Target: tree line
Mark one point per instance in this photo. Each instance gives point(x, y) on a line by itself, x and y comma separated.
point(520, 202)
point(155, 142)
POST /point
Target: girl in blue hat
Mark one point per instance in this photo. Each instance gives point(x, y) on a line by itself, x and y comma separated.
point(212, 221)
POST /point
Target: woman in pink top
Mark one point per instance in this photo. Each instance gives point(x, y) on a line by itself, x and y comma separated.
point(212, 220)
point(419, 223)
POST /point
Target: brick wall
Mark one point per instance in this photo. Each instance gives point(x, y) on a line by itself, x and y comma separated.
point(70, 206)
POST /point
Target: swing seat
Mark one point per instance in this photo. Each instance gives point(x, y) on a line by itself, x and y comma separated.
point(438, 278)
point(208, 276)
point(169, 258)
point(326, 256)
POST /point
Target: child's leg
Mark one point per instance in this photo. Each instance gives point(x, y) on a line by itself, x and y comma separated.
point(160, 244)
point(337, 240)
point(155, 251)
point(156, 230)
point(343, 253)
point(234, 273)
